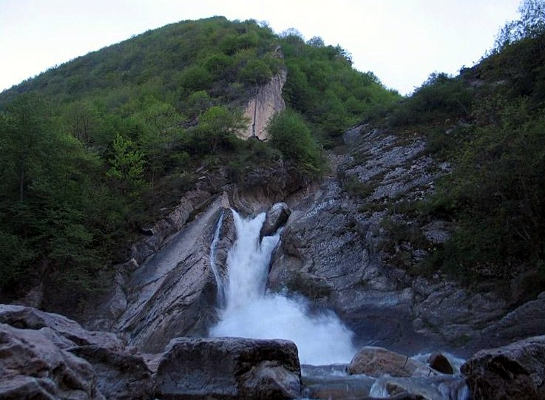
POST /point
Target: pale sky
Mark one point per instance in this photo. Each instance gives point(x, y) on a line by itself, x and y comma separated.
point(401, 41)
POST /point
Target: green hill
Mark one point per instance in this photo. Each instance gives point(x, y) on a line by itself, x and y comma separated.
point(93, 149)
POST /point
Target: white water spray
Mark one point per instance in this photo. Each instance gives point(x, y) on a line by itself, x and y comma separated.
point(252, 313)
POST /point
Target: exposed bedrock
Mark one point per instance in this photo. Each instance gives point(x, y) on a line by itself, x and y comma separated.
point(337, 249)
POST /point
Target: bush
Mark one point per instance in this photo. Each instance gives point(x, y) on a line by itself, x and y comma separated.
point(292, 137)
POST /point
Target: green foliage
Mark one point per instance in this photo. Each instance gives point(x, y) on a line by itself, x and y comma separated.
point(497, 191)
point(292, 137)
point(530, 25)
point(326, 90)
point(439, 98)
point(215, 131)
point(93, 149)
point(256, 72)
point(127, 166)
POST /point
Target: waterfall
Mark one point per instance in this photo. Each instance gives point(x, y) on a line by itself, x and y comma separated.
point(219, 281)
point(251, 312)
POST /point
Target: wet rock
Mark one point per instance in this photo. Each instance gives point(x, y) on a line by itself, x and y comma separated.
point(174, 292)
point(378, 361)
point(120, 376)
point(33, 367)
point(276, 217)
point(440, 363)
point(427, 388)
point(229, 368)
point(331, 382)
point(515, 371)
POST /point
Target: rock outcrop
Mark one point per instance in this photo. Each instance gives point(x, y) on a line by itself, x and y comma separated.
point(515, 371)
point(174, 293)
point(263, 106)
point(229, 368)
point(276, 217)
point(350, 246)
point(33, 367)
point(48, 356)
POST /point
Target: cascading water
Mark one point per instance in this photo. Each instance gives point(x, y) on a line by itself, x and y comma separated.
point(217, 276)
point(252, 313)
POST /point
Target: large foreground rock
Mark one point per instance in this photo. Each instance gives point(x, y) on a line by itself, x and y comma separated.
point(32, 366)
point(48, 356)
point(515, 371)
point(229, 368)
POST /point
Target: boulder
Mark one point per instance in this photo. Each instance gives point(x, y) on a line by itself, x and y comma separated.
point(377, 361)
point(33, 367)
point(515, 371)
point(228, 368)
point(441, 363)
point(68, 330)
point(276, 217)
point(121, 376)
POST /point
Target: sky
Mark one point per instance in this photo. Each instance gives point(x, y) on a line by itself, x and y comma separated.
point(400, 41)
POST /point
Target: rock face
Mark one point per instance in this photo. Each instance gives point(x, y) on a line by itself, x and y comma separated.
point(515, 371)
point(276, 217)
point(229, 368)
point(174, 293)
point(48, 356)
point(378, 361)
point(263, 106)
point(349, 246)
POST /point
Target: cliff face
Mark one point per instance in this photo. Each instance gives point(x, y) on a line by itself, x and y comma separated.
point(263, 106)
point(352, 245)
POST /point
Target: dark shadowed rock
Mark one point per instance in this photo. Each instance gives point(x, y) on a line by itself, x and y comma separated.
point(515, 371)
point(32, 366)
point(120, 376)
point(229, 368)
point(378, 361)
point(441, 363)
point(276, 217)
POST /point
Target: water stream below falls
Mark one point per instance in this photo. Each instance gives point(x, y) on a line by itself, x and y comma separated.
point(249, 311)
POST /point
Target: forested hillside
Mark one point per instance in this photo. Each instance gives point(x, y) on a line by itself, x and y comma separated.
point(93, 150)
point(488, 123)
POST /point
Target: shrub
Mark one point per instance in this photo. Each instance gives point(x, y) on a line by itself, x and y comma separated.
point(292, 137)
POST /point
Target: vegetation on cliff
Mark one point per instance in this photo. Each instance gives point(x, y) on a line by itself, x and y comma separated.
point(94, 149)
point(489, 123)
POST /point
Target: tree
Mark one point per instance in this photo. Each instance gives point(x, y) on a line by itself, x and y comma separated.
point(127, 166)
point(530, 25)
point(26, 140)
point(292, 137)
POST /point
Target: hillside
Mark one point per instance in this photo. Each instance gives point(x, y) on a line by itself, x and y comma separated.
point(97, 148)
